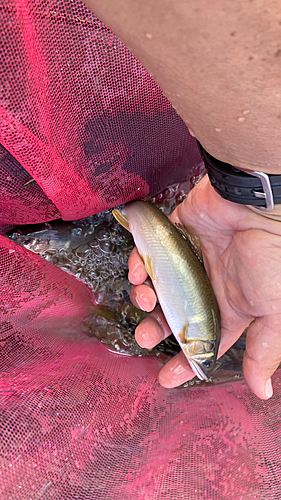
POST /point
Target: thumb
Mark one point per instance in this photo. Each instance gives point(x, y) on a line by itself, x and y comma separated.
point(263, 354)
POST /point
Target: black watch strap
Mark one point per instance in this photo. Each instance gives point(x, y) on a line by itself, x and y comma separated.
point(243, 186)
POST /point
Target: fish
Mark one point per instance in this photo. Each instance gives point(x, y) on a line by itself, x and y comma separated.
point(181, 283)
point(42, 238)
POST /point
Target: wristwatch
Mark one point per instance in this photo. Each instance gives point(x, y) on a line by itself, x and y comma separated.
point(247, 187)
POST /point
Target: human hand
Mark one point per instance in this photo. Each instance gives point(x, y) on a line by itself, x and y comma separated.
point(242, 256)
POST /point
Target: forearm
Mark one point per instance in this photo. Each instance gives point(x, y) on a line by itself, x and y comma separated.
point(219, 65)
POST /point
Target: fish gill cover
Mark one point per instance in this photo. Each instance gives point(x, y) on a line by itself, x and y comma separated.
point(84, 128)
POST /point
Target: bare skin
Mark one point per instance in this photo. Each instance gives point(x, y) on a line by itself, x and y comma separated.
point(242, 256)
point(219, 65)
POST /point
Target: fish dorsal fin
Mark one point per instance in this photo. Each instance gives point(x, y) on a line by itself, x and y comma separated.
point(121, 218)
point(192, 238)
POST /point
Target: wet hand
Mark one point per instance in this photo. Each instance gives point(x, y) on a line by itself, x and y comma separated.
point(242, 256)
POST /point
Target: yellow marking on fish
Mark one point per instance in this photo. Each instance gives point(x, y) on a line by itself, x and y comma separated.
point(121, 218)
point(149, 267)
point(208, 355)
point(183, 336)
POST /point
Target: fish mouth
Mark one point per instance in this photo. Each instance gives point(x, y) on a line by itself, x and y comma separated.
point(198, 370)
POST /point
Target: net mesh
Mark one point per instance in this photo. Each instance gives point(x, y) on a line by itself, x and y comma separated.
point(80, 116)
point(84, 128)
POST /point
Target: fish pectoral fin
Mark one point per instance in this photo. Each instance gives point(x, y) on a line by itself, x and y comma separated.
point(192, 238)
point(121, 218)
point(183, 336)
point(149, 267)
point(198, 346)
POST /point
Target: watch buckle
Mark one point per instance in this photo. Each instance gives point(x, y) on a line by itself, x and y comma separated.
point(267, 193)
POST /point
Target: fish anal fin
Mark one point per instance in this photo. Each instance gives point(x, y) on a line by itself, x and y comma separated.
point(192, 238)
point(121, 218)
point(149, 267)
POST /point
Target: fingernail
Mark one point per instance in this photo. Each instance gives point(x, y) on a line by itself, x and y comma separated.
point(144, 306)
point(133, 277)
point(151, 341)
point(138, 303)
point(268, 388)
point(147, 341)
point(134, 274)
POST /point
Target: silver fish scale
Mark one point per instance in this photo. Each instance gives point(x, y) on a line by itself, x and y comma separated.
point(182, 285)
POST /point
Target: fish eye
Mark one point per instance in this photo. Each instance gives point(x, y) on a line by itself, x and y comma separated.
point(207, 363)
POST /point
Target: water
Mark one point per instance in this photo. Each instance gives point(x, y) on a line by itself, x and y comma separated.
point(96, 251)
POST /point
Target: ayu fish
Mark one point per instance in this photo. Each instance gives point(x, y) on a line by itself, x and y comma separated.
point(180, 281)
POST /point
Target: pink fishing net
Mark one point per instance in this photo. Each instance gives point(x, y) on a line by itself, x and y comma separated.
point(83, 128)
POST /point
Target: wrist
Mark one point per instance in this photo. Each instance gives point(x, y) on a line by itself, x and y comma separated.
point(259, 191)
